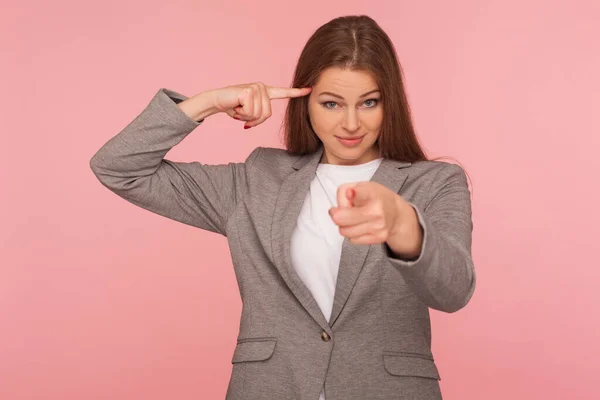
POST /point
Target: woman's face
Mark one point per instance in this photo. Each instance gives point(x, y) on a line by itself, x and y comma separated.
point(346, 104)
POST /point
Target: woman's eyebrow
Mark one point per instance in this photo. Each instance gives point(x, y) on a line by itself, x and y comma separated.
point(340, 97)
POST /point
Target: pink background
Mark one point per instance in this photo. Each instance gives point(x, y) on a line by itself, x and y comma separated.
point(100, 299)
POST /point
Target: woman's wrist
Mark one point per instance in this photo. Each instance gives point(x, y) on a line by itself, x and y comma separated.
point(200, 106)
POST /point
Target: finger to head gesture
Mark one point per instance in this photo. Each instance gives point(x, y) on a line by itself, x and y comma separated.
point(255, 102)
point(286, 92)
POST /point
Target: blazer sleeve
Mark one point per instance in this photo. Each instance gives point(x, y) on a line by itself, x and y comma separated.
point(443, 275)
point(132, 165)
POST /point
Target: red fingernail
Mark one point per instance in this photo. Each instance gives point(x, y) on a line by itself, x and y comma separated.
point(247, 127)
point(234, 117)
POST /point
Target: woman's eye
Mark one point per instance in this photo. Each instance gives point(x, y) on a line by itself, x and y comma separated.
point(369, 103)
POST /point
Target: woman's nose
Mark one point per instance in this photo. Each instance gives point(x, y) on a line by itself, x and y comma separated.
point(351, 121)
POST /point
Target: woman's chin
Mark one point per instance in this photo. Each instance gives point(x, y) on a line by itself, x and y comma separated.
point(348, 156)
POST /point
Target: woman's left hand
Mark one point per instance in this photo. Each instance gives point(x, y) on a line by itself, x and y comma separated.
point(370, 213)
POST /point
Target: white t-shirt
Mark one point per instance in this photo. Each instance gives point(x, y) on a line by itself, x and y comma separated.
point(316, 243)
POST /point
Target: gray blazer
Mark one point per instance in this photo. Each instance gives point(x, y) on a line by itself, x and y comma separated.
point(377, 344)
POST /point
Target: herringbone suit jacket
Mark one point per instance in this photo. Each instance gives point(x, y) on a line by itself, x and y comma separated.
point(377, 343)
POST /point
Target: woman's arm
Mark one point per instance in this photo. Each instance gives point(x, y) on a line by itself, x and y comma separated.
point(443, 275)
point(132, 165)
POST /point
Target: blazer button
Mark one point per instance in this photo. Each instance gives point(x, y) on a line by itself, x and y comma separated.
point(325, 336)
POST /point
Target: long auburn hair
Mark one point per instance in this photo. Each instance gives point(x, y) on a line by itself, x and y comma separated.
point(355, 42)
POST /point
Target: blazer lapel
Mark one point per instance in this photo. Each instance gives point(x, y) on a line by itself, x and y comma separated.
point(289, 203)
point(392, 174)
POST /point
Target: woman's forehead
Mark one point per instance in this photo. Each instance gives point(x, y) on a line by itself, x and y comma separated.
point(345, 82)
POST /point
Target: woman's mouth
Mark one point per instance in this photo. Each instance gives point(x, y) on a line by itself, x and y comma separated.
point(350, 142)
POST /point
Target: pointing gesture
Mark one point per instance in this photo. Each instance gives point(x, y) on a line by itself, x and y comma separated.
point(370, 213)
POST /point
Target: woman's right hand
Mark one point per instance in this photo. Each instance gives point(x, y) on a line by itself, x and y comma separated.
point(252, 102)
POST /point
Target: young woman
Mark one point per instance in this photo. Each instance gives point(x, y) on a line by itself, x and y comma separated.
point(341, 242)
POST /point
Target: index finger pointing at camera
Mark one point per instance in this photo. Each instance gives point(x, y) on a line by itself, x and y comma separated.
point(284, 93)
point(345, 195)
